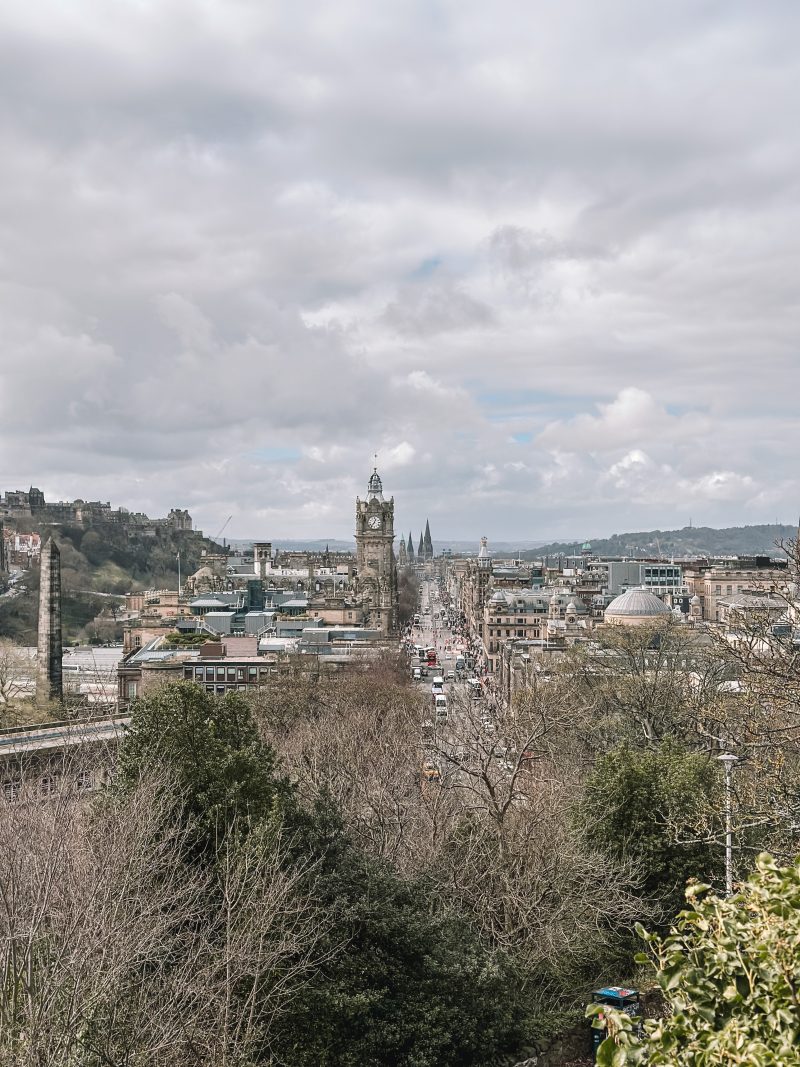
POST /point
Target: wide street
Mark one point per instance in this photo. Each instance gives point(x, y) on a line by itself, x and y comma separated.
point(468, 732)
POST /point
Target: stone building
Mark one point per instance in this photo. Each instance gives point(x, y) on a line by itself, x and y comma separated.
point(637, 607)
point(31, 504)
point(49, 651)
point(376, 567)
point(720, 579)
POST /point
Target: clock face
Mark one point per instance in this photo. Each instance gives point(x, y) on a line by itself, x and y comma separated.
point(374, 522)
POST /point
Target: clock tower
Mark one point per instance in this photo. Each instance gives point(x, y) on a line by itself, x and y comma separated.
point(375, 562)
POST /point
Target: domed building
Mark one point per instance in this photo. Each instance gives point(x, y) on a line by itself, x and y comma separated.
point(637, 607)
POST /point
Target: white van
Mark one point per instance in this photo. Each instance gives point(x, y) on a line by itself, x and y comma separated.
point(440, 704)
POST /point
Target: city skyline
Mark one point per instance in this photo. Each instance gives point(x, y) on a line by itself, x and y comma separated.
point(540, 259)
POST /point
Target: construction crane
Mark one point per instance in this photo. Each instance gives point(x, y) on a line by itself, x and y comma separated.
point(222, 531)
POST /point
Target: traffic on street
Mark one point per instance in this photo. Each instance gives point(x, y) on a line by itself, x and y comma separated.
point(459, 727)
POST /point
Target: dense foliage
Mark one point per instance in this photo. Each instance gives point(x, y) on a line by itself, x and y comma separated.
point(398, 976)
point(645, 806)
point(729, 972)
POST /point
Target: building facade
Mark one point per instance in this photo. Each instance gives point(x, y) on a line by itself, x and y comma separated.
point(376, 567)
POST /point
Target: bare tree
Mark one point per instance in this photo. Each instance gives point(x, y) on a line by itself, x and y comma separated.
point(16, 671)
point(357, 742)
point(507, 850)
point(481, 809)
point(114, 950)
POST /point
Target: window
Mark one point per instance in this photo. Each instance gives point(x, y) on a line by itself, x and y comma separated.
point(240, 674)
point(220, 674)
point(47, 785)
point(231, 674)
point(209, 674)
point(131, 690)
point(84, 781)
point(220, 690)
point(198, 673)
point(252, 673)
point(11, 790)
point(718, 589)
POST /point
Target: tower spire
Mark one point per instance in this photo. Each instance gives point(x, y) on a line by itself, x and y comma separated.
point(428, 541)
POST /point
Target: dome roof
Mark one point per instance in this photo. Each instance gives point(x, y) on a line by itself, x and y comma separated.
point(571, 609)
point(497, 598)
point(638, 602)
point(695, 599)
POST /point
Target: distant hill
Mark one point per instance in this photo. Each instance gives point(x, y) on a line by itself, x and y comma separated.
point(690, 541)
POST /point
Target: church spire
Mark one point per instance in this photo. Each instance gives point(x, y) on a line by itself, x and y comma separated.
point(421, 549)
point(428, 541)
point(410, 549)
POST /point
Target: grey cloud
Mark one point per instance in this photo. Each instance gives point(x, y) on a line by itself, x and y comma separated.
point(213, 219)
point(427, 310)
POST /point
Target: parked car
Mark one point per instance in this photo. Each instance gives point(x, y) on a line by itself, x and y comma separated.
point(416, 673)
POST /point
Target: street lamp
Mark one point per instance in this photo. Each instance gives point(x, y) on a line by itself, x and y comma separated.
point(727, 759)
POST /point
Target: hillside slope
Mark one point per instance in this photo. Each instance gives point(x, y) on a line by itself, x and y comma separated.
point(98, 560)
point(690, 541)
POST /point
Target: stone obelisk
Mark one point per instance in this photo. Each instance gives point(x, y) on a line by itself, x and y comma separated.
point(48, 663)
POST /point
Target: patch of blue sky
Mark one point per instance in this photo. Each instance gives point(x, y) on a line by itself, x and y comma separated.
point(426, 268)
point(678, 409)
point(523, 437)
point(275, 454)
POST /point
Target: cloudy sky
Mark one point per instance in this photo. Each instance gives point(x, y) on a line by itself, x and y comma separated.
point(543, 258)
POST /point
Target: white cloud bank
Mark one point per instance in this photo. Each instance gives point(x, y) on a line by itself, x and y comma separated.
point(541, 258)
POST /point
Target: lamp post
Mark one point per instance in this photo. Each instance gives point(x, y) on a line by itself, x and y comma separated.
point(727, 759)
